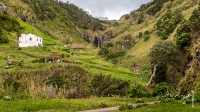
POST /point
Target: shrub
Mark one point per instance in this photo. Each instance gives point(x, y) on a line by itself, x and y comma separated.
point(146, 35)
point(163, 89)
point(139, 101)
point(62, 55)
point(126, 107)
point(102, 105)
point(187, 99)
point(137, 91)
point(19, 48)
point(178, 97)
point(183, 34)
point(127, 16)
point(141, 105)
point(140, 34)
point(168, 22)
point(197, 97)
point(140, 19)
point(107, 86)
point(41, 60)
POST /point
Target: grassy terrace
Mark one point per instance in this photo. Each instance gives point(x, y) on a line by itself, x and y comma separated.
point(88, 60)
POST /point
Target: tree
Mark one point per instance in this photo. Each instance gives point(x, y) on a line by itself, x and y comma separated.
point(166, 53)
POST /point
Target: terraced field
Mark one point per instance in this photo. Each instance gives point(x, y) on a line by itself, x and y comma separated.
point(23, 60)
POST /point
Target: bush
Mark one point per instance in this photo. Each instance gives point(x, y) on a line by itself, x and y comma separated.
point(187, 99)
point(62, 55)
point(125, 107)
point(41, 60)
point(139, 101)
point(146, 35)
point(141, 105)
point(140, 34)
point(183, 34)
point(168, 22)
point(137, 91)
point(140, 19)
point(107, 86)
point(127, 16)
point(163, 89)
point(197, 97)
point(19, 48)
point(178, 97)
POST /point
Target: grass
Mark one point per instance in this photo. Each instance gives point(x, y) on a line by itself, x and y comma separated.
point(87, 59)
point(31, 29)
point(175, 106)
point(70, 105)
point(96, 65)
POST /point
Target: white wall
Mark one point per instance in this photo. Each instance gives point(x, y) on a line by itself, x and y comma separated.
point(29, 40)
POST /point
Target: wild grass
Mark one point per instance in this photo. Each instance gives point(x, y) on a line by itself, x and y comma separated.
point(88, 60)
point(175, 106)
point(70, 105)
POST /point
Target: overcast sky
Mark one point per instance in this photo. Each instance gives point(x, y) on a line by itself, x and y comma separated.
point(113, 9)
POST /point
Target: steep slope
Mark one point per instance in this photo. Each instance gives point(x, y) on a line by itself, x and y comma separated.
point(135, 34)
point(62, 21)
point(134, 28)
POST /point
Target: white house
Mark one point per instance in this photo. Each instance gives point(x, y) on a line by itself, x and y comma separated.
point(29, 40)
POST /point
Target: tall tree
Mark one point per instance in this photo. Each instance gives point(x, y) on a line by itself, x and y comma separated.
point(166, 53)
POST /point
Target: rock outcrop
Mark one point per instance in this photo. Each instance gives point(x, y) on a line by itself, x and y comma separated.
point(2, 7)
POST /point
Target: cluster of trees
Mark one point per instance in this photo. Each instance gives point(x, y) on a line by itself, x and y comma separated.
point(115, 52)
point(183, 39)
point(170, 59)
point(81, 18)
point(8, 24)
point(44, 9)
point(152, 7)
point(166, 24)
point(113, 55)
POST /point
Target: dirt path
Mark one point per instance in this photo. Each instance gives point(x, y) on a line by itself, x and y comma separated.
point(113, 108)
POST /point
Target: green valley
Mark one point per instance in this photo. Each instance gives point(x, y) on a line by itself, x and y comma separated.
point(149, 56)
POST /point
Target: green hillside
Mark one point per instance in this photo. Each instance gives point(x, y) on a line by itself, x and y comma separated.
point(157, 21)
point(160, 39)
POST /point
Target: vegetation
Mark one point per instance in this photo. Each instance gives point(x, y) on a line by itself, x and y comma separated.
point(8, 24)
point(169, 63)
point(166, 24)
point(183, 34)
point(166, 53)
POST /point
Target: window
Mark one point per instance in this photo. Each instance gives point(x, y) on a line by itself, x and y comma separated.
point(40, 40)
point(30, 38)
point(37, 39)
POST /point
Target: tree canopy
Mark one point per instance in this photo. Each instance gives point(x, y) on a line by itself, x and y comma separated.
point(164, 52)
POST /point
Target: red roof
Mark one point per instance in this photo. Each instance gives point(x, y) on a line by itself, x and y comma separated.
point(78, 47)
point(137, 68)
point(54, 56)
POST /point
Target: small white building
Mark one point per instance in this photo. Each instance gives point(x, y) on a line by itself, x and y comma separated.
point(29, 40)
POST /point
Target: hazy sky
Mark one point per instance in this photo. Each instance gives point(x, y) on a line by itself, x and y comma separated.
point(113, 9)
